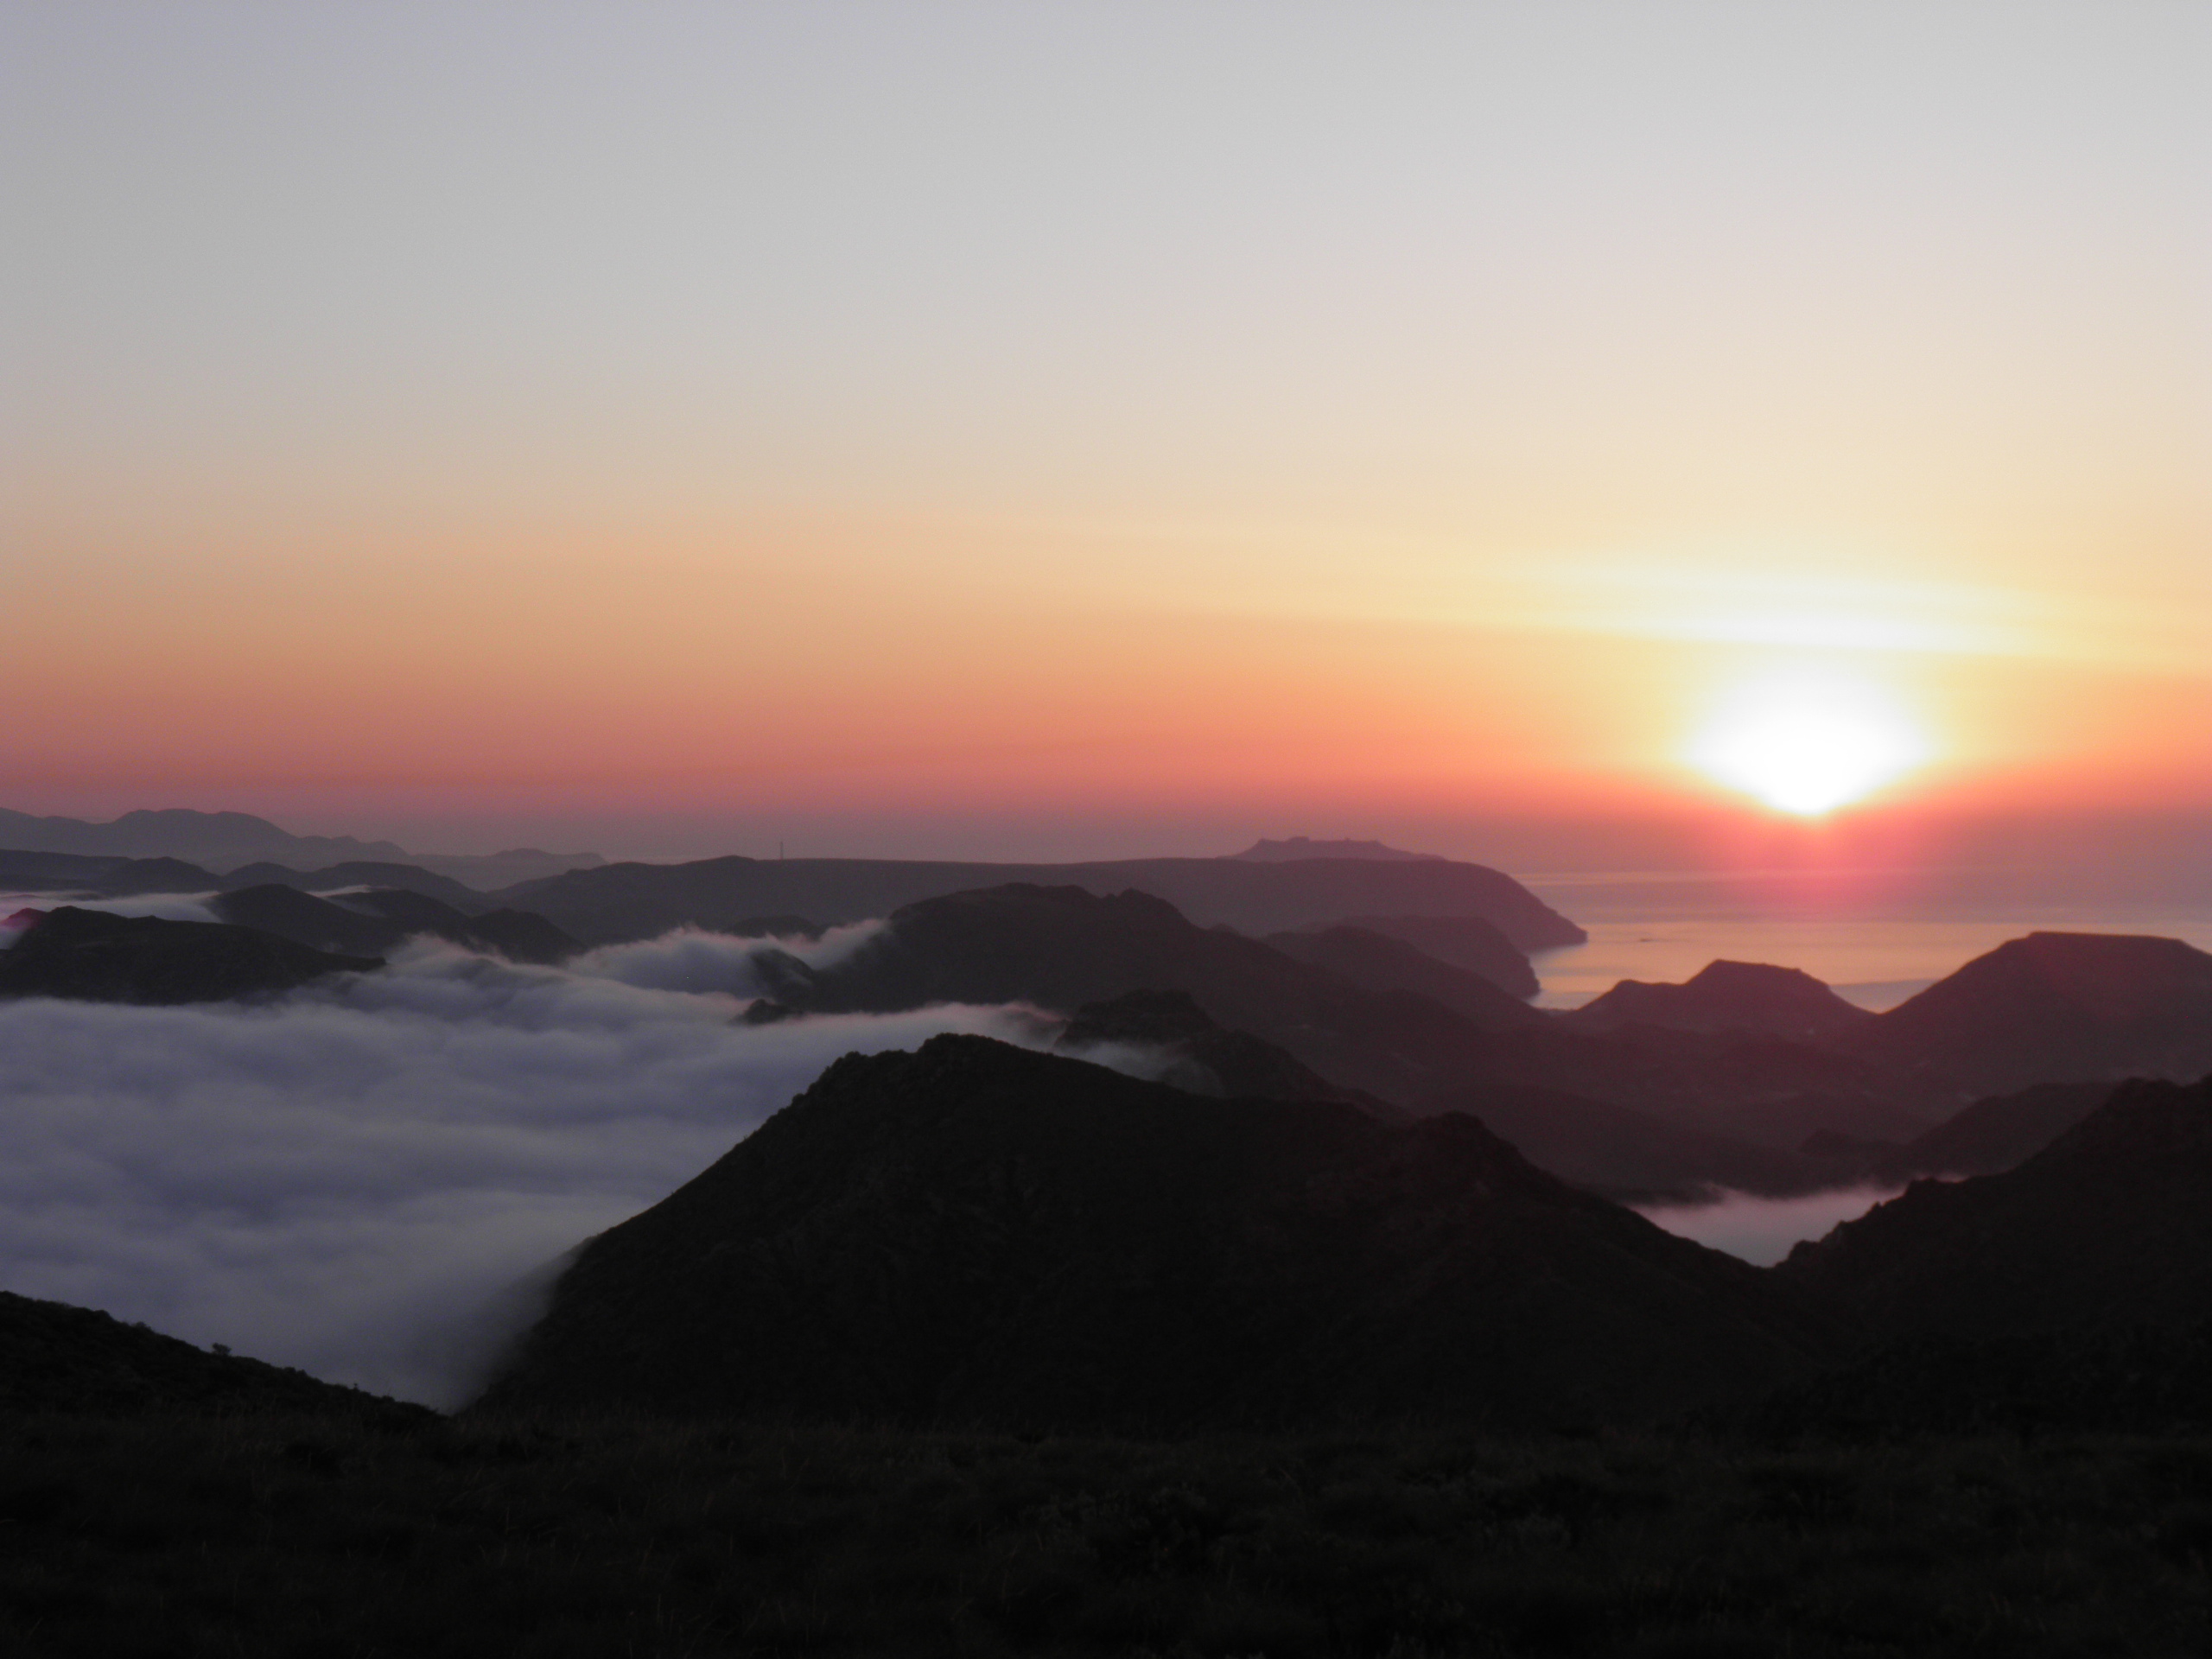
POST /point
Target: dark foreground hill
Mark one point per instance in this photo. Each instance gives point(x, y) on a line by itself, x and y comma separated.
point(2110, 1224)
point(2132, 1379)
point(90, 956)
point(275, 1537)
point(619, 902)
point(58, 1358)
point(975, 1233)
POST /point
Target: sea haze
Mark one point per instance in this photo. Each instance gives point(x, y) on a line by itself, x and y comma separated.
point(356, 1178)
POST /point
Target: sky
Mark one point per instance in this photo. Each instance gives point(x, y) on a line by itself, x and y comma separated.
point(1090, 429)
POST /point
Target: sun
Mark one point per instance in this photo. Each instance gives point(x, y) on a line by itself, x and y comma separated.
point(1808, 743)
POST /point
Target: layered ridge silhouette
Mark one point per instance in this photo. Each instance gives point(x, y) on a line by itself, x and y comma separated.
point(977, 1233)
point(619, 902)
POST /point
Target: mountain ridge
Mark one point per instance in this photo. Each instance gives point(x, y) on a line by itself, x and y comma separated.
point(974, 1232)
point(617, 903)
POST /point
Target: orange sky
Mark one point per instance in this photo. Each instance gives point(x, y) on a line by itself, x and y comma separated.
point(471, 426)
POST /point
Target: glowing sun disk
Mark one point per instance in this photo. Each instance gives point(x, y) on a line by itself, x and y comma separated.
point(1806, 746)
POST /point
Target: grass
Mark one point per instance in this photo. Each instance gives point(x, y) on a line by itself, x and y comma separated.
point(269, 1534)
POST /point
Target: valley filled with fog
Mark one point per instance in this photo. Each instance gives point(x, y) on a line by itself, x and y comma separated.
point(366, 1178)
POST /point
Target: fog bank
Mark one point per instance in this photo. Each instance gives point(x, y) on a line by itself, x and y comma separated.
point(344, 1180)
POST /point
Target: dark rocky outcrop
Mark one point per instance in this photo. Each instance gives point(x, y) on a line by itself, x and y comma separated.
point(976, 1233)
point(2052, 1008)
point(54, 1357)
point(89, 956)
point(2108, 1225)
point(1751, 997)
point(621, 902)
point(1376, 962)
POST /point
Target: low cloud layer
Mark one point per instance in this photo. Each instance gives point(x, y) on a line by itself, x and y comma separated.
point(1761, 1230)
point(348, 1179)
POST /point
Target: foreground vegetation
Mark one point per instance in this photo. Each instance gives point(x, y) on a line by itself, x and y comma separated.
point(271, 1533)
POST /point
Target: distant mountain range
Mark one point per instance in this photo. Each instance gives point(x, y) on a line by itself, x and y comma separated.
point(223, 841)
point(621, 902)
point(1298, 847)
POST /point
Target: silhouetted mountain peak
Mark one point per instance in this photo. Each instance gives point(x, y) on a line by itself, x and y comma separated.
point(2055, 1007)
point(975, 1232)
point(1725, 996)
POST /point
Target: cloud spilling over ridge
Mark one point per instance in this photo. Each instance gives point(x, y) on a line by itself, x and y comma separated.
point(343, 1180)
point(691, 959)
